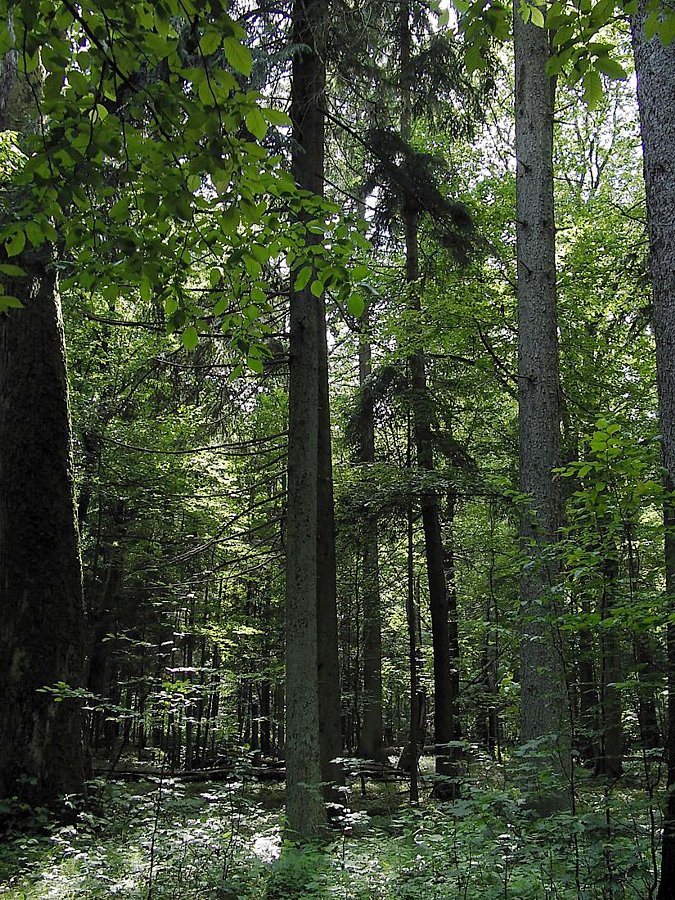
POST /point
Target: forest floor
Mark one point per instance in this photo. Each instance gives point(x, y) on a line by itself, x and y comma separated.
point(162, 839)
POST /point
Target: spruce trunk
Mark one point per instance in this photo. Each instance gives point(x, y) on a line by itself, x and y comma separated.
point(543, 703)
point(305, 810)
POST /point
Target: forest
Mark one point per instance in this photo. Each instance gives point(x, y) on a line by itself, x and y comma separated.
point(337, 449)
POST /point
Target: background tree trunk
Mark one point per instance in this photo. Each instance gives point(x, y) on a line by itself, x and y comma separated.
point(371, 744)
point(445, 706)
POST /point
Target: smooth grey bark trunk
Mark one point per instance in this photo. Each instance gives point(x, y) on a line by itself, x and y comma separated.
point(42, 633)
point(305, 810)
point(371, 744)
point(655, 69)
point(543, 703)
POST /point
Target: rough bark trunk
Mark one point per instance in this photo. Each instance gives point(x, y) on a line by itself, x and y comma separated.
point(655, 69)
point(42, 635)
point(371, 745)
point(41, 640)
point(330, 710)
point(445, 706)
point(305, 811)
point(542, 683)
point(667, 883)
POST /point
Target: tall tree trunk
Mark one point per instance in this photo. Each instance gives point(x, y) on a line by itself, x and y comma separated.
point(371, 745)
point(667, 884)
point(42, 634)
point(445, 711)
point(305, 811)
point(542, 683)
point(414, 737)
point(655, 68)
point(330, 709)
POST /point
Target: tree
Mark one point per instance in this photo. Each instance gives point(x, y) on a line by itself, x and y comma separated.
point(655, 69)
point(304, 802)
point(42, 635)
point(542, 678)
point(370, 738)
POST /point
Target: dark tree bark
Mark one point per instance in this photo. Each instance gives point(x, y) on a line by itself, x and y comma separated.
point(655, 68)
point(445, 686)
point(371, 745)
point(414, 731)
point(307, 471)
point(330, 711)
point(543, 704)
point(42, 631)
point(41, 639)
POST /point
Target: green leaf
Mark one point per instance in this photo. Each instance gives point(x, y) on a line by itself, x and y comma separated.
point(317, 288)
point(356, 305)
point(12, 271)
point(611, 68)
point(473, 59)
point(160, 46)
point(602, 12)
point(8, 302)
point(256, 124)
point(35, 233)
point(592, 88)
point(303, 278)
point(360, 272)
point(190, 338)
point(666, 29)
point(254, 364)
point(238, 56)
point(537, 16)
point(16, 243)
point(210, 42)
point(276, 117)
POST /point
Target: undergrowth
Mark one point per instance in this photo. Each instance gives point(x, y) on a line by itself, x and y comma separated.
point(164, 840)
